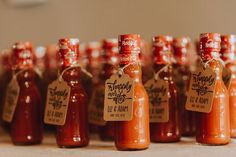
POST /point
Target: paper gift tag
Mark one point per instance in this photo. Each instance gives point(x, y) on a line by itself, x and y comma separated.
point(119, 95)
point(96, 106)
point(158, 100)
point(58, 96)
point(201, 90)
point(226, 76)
point(12, 94)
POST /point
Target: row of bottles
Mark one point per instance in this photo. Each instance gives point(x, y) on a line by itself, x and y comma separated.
point(63, 87)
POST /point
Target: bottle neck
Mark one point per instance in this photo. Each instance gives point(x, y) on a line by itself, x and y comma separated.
point(216, 66)
point(165, 72)
point(132, 66)
point(107, 71)
point(69, 63)
point(26, 77)
point(162, 57)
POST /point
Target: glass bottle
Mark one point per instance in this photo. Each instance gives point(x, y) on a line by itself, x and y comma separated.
point(228, 51)
point(182, 75)
point(133, 134)
point(93, 51)
point(74, 133)
point(162, 53)
point(110, 61)
point(213, 128)
point(27, 122)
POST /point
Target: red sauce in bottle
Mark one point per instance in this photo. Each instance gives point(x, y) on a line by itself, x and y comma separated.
point(93, 51)
point(228, 51)
point(74, 133)
point(27, 124)
point(182, 74)
point(133, 134)
point(213, 128)
point(110, 58)
point(165, 131)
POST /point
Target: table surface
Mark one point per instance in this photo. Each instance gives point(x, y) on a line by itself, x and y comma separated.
point(97, 148)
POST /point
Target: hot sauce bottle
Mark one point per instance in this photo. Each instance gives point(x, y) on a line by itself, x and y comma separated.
point(162, 52)
point(93, 52)
point(110, 58)
point(74, 133)
point(133, 134)
point(182, 75)
point(27, 124)
point(213, 128)
point(228, 50)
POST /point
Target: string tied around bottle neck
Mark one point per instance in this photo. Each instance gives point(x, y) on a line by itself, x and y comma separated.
point(120, 70)
point(60, 75)
point(157, 74)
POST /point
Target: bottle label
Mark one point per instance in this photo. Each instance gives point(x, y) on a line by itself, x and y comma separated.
point(201, 90)
point(11, 98)
point(58, 95)
point(226, 76)
point(119, 98)
point(158, 90)
point(96, 106)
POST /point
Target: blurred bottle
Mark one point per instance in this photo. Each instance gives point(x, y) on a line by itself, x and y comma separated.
point(162, 55)
point(94, 61)
point(228, 53)
point(27, 124)
point(182, 75)
point(74, 133)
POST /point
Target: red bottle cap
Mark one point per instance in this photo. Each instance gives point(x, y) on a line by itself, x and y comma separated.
point(129, 48)
point(228, 47)
point(110, 48)
point(22, 56)
point(181, 46)
point(93, 50)
point(129, 43)
point(209, 45)
point(162, 49)
point(94, 55)
point(69, 51)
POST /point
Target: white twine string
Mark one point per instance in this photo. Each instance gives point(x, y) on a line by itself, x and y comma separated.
point(120, 70)
point(157, 74)
point(216, 57)
point(60, 78)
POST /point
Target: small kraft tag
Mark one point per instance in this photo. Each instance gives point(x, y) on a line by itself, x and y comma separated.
point(157, 90)
point(226, 76)
point(119, 97)
point(201, 89)
point(96, 106)
point(58, 95)
point(11, 98)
